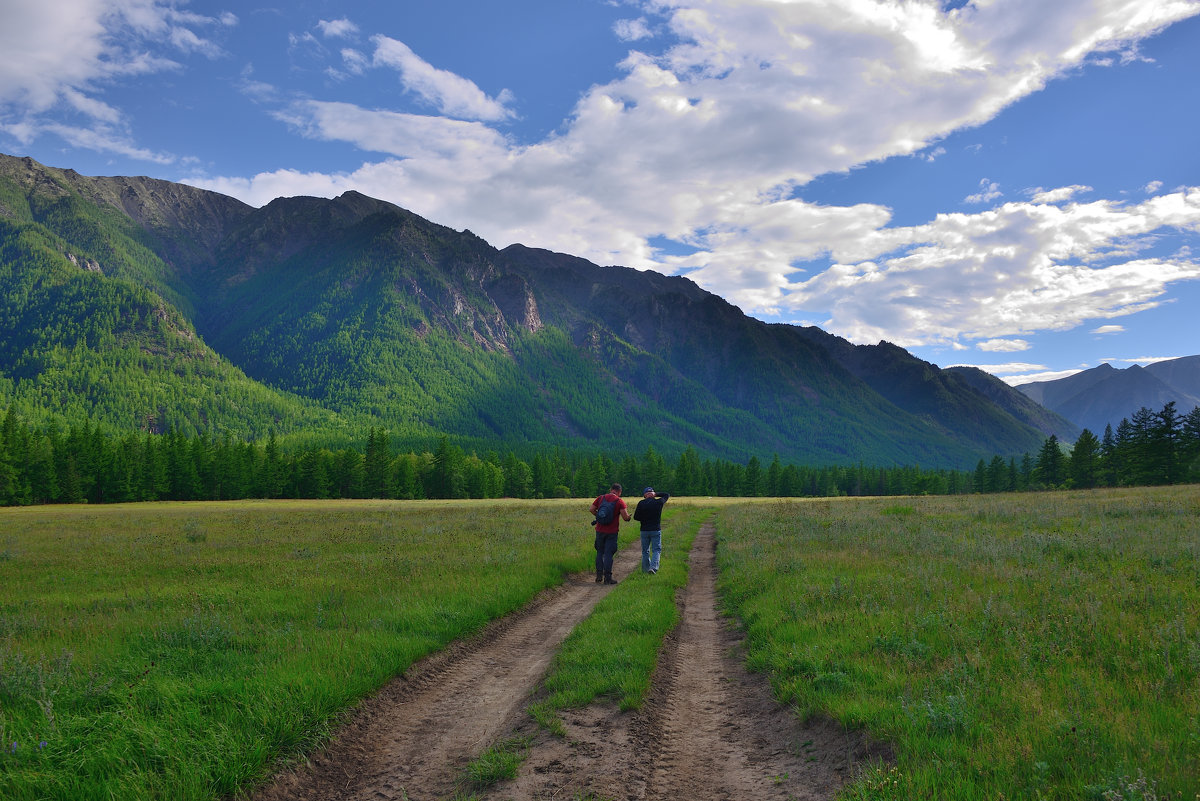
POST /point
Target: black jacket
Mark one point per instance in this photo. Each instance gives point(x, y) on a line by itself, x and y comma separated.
point(649, 512)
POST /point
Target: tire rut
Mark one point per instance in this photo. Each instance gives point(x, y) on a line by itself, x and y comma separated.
point(414, 738)
point(709, 729)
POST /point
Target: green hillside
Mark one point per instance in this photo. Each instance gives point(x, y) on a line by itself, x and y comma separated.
point(86, 332)
point(142, 304)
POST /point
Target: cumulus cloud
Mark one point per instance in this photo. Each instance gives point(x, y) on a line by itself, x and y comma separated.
point(56, 57)
point(1153, 187)
point(1006, 272)
point(709, 144)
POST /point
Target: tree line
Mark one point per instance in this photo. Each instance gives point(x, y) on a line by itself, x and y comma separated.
point(83, 463)
point(1149, 448)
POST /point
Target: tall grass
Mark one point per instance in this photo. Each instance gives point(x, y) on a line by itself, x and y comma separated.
point(1023, 646)
point(174, 650)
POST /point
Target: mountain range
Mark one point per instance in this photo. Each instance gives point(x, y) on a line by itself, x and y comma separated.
point(146, 305)
point(1106, 395)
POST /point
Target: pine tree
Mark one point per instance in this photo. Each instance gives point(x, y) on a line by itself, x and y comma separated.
point(1108, 458)
point(1049, 469)
point(752, 478)
point(1163, 446)
point(1189, 446)
point(1084, 465)
point(376, 465)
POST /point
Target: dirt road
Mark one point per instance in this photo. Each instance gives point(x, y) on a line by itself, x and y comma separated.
point(710, 730)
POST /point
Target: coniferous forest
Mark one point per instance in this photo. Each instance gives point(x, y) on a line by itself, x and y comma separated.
point(84, 464)
point(163, 342)
point(136, 306)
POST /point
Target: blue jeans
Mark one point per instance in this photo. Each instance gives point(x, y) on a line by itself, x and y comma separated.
point(651, 548)
point(606, 548)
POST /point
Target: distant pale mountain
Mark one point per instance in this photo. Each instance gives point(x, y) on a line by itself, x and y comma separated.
point(1105, 395)
point(147, 305)
point(1182, 375)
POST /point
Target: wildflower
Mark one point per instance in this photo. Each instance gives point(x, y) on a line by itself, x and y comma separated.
point(41, 745)
point(14, 747)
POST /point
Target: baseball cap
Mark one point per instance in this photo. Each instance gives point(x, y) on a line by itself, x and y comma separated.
point(647, 489)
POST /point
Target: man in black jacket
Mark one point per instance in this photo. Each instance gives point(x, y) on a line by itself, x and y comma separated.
point(649, 514)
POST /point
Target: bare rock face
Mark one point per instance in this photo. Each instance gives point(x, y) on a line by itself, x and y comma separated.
point(515, 299)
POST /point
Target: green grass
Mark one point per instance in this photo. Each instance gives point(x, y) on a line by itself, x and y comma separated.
point(176, 650)
point(499, 762)
point(1020, 646)
point(613, 652)
point(1023, 646)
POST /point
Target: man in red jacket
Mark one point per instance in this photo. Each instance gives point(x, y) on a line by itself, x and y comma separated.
point(606, 532)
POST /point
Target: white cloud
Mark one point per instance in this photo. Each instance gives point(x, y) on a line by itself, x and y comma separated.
point(1153, 187)
point(338, 28)
point(450, 94)
point(1002, 273)
point(988, 191)
point(707, 143)
point(354, 61)
point(1017, 377)
point(256, 90)
point(428, 141)
point(1108, 329)
point(101, 139)
point(56, 57)
point(1003, 345)
point(1006, 368)
point(1060, 195)
point(1143, 360)
point(632, 30)
point(934, 154)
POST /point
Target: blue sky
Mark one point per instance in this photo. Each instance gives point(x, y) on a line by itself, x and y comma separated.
point(1012, 184)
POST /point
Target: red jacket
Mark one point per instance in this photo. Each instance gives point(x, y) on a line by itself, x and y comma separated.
point(615, 525)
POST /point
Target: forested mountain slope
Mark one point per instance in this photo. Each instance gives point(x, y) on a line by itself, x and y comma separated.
point(132, 300)
point(93, 323)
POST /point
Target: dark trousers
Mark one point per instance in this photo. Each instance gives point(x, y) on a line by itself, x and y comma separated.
point(606, 547)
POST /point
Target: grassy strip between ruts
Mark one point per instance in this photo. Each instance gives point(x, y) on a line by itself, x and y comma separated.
point(613, 652)
point(1019, 646)
point(178, 650)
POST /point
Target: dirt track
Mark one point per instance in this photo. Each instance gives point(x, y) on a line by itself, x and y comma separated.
point(709, 731)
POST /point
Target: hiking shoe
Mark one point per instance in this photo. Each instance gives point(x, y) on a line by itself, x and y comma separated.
point(599, 578)
point(653, 570)
point(610, 580)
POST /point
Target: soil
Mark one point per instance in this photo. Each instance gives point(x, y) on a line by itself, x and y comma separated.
point(710, 730)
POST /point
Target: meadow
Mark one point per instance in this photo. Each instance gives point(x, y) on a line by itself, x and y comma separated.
point(1011, 646)
point(174, 650)
point(1008, 646)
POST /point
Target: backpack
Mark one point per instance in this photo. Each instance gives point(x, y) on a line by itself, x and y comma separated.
point(606, 512)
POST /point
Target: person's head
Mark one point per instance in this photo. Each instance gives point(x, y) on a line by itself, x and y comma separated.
point(615, 489)
point(648, 492)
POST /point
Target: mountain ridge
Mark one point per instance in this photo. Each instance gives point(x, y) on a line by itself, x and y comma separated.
point(361, 313)
point(1105, 395)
